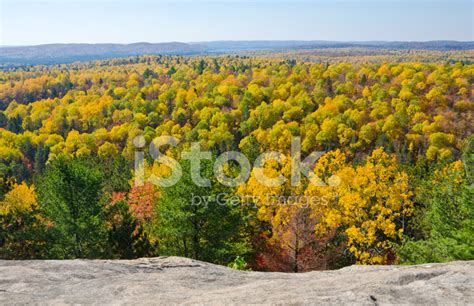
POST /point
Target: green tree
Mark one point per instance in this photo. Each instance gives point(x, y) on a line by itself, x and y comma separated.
point(70, 193)
point(449, 217)
point(126, 237)
point(3, 120)
point(41, 156)
point(199, 222)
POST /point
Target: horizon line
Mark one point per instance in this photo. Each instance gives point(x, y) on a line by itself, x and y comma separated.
point(237, 41)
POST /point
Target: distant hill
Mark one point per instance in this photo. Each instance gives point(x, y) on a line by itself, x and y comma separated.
point(66, 53)
point(233, 46)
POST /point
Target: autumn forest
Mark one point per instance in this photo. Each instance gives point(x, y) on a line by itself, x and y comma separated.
point(395, 170)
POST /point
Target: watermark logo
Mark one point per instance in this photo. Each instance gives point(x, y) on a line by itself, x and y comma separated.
point(195, 156)
point(225, 199)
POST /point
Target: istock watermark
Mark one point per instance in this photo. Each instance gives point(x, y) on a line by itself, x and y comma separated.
point(195, 155)
point(226, 199)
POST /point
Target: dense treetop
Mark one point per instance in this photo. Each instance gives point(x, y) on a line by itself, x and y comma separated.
point(389, 130)
point(227, 103)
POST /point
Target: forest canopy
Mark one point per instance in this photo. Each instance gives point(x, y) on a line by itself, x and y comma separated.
point(398, 135)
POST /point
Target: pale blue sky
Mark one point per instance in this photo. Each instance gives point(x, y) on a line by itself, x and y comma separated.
point(29, 22)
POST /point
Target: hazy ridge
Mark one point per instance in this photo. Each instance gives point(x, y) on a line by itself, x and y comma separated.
point(11, 56)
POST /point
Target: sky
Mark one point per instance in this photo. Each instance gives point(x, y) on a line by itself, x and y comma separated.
point(32, 22)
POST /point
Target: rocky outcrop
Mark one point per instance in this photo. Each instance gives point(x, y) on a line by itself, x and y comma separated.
point(171, 280)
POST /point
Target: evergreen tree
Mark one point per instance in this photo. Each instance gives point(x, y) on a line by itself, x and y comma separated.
point(449, 218)
point(126, 237)
point(41, 156)
point(70, 194)
point(199, 222)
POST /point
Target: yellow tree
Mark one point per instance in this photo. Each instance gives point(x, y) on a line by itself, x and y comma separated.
point(19, 223)
point(369, 203)
point(291, 244)
point(19, 200)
